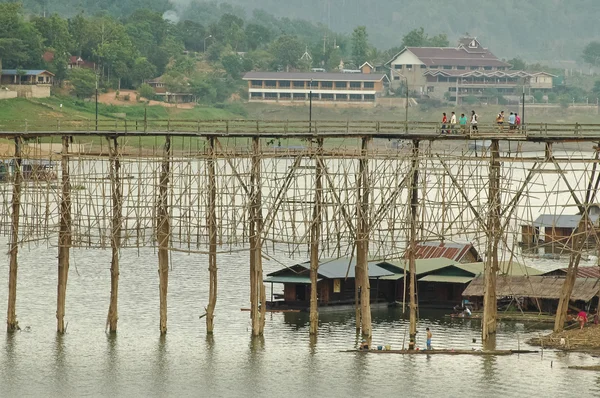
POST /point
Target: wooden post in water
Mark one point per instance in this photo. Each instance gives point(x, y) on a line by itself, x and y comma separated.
point(163, 233)
point(257, 287)
point(212, 237)
point(412, 244)
point(493, 238)
point(115, 235)
point(362, 241)
point(64, 237)
point(315, 236)
point(11, 319)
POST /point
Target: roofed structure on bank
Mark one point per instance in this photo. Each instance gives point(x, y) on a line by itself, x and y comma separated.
point(582, 272)
point(541, 287)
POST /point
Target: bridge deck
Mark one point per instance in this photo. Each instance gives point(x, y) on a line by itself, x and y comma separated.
point(538, 132)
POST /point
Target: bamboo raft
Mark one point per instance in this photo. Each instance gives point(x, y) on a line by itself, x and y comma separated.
point(447, 352)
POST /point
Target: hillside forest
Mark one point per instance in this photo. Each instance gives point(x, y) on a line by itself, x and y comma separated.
point(202, 48)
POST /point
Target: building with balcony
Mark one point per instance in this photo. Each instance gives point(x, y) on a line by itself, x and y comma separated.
point(327, 88)
point(26, 83)
point(469, 69)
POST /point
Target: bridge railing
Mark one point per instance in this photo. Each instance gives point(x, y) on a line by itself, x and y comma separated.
point(299, 128)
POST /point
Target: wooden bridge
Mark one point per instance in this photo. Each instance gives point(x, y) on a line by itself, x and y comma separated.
point(536, 132)
point(359, 204)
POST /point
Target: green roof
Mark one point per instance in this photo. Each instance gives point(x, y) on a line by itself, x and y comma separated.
point(300, 279)
point(446, 278)
point(424, 266)
point(513, 268)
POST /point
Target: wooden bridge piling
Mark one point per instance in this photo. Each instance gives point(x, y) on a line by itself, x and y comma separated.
point(315, 236)
point(493, 238)
point(257, 287)
point(115, 238)
point(412, 243)
point(362, 241)
point(64, 237)
point(212, 234)
point(12, 324)
point(164, 233)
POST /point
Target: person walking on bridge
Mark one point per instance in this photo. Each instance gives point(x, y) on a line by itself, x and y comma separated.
point(474, 121)
point(453, 122)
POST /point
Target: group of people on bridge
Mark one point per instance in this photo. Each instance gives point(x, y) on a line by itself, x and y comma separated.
point(449, 124)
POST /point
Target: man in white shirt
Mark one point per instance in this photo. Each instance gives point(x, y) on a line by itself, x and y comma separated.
point(474, 121)
point(453, 122)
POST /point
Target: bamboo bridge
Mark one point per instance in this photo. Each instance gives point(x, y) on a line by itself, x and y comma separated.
point(355, 188)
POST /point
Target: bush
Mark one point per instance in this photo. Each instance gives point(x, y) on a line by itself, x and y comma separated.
point(127, 97)
point(146, 91)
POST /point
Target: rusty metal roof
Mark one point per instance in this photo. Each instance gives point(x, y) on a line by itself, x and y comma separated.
point(582, 272)
point(451, 250)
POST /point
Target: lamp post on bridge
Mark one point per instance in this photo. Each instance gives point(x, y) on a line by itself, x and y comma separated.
point(405, 103)
point(310, 106)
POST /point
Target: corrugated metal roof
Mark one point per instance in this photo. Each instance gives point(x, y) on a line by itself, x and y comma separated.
point(544, 287)
point(513, 268)
point(582, 272)
point(26, 72)
point(300, 279)
point(316, 76)
point(473, 268)
point(561, 221)
point(446, 278)
point(335, 269)
point(455, 57)
point(451, 250)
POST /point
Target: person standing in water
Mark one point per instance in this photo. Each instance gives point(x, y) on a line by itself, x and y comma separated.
point(429, 335)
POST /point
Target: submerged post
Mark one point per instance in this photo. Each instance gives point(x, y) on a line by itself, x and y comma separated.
point(163, 233)
point(362, 241)
point(115, 234)
point(64, 237)
point(11, 319)
point(212, 237)
point(412, 243)
point(257, 287)
point(493, 238)
point(315, 236)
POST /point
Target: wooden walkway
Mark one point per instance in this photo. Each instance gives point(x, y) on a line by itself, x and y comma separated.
point(540, 132)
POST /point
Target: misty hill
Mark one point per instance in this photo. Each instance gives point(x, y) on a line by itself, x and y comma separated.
point(532, 29)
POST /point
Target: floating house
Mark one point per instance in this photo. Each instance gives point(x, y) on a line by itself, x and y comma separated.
point(335, 283)
point(535, 293)
point(553, 233)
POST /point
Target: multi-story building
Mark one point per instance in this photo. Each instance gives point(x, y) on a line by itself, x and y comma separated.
point(289, 87)
point(468, 69)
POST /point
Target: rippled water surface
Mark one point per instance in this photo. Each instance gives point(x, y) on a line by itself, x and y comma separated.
point(138, 362)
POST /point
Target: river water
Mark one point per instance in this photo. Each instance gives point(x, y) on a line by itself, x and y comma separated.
point(138, 362)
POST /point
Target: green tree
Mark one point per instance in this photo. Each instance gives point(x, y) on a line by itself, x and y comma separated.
point(517, 64)
point(257, 36)
point(142, 70)
point(232, 64)
point(360, 45)
point(418, 38)
point(83, 82)
point(192, 34)
point(20, 42)
point(287, 51)
point(591, 53)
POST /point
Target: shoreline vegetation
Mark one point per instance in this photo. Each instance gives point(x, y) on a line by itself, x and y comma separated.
point(584, 340)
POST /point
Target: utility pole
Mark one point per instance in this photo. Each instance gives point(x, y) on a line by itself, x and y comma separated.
point(96, 102)
point(310, 107)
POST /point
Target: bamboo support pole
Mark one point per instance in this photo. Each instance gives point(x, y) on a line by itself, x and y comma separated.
point(212, 236)
point(493, 238)
point(412, 244)
point(11, 321)
point(64, 237)
point(163, 233)
point(115, 237)
point(257, 288)
point(315, 236)
point(362, 241)
point(581, 236)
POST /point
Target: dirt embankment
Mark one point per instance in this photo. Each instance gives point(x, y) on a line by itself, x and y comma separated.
point(111, 98)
